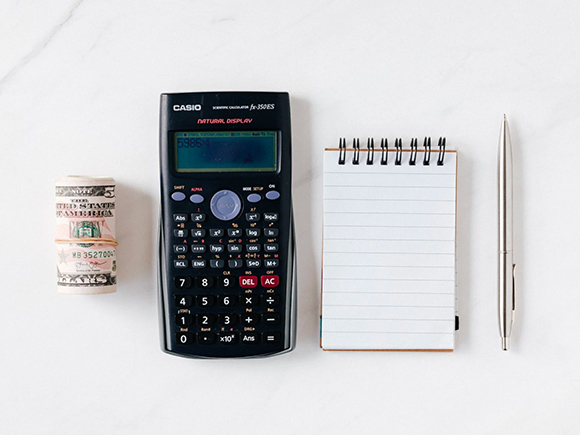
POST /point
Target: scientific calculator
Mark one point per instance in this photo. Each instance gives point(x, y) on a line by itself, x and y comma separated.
point(227, 276)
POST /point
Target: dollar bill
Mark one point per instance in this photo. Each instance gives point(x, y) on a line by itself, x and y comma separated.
point(85, 209)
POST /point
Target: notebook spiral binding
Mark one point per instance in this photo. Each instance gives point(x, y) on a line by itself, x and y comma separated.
point(398, 151)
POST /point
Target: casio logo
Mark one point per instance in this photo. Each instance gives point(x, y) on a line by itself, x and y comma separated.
point(187, 108)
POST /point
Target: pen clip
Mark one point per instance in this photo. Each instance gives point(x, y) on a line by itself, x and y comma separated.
point(513, 289)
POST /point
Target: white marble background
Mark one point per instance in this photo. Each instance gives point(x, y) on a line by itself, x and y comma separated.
point(79, 93)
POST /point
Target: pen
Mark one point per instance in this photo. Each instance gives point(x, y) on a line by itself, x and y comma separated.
point(506, 284)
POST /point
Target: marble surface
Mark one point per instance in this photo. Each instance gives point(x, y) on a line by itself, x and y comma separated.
point(79, 93)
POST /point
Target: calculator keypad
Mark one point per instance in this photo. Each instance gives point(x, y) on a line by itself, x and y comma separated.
point(227, 288)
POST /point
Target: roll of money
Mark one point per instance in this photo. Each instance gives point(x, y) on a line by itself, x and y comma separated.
point(86, 248)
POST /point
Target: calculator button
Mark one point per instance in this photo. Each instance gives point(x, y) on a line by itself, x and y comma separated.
point(269, 281)
point(182, 281)
point(216, 264)
point(180, 217)
point(271, 318)
point(253, 247)
point(227, 300)
point(204, 281)
point(252, 217)
point(182, 301)
point(197, 233)
point(235, 264)
point(234, 249)
point(248, 281)
point(227, 338)
point(205, 319)
point(198, 217)
point(185, 338)
point(228, 319)
point(254, 197)
point(180, 249)
point(250, 319)
point(234, 232)
point(253, 232)
point(183, 320)
point(272, 195)
point(270, 217)
point(271, 337)
point(206, 338)
point(216, 232)
point(216, 249)
point(271, 247)
point(252, 264)
point(250, 338)
point(271, 232)
point(250, 300)
point(205, 301)
point(198, 249)
point(178, 196)
point(182, 234)
point(227, 281)
point(271, 262)
point(180, 264)
point(270, 300)
point(198, 264)
point(225, 205)
point(196, 198)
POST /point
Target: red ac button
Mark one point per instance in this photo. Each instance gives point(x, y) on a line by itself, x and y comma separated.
point(269, 280)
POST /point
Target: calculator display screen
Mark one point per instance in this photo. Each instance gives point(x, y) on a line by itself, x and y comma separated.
point(240, 151)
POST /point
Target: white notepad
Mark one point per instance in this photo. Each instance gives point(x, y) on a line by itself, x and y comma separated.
point(388, 279)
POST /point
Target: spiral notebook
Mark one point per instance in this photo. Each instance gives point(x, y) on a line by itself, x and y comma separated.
point(388, 275)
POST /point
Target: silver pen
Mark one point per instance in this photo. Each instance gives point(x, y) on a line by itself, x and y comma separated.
point(507, 284)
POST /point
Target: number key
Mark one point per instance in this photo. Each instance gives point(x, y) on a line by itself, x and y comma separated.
point(205, 281)
point(228, 319)
point(227, 281)
point(227, 300)
point(182, 281)
point(183, 320)
point(205, 301)
point(205, 319)
point(182, 301)
point(185, 337)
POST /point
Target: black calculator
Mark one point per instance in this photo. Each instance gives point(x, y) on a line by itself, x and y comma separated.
point(227, 275)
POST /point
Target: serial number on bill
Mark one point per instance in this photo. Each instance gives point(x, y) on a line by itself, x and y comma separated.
point(93, 254)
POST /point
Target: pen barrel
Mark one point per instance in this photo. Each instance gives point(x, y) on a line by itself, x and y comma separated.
point(505, 192)
point(506, 294)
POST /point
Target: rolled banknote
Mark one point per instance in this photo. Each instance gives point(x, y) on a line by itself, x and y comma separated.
point(86, 254)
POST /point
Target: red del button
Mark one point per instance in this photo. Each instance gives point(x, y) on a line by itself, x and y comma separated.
point(248, 281)
point(269, 280)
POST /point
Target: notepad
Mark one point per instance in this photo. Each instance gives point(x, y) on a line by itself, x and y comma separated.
point(388, 280)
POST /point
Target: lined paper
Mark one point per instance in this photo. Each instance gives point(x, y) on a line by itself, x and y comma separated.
point(388, 278)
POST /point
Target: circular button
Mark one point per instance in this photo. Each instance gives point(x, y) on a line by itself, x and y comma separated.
point(225, 205)
point(254, 197)
point(272, 195)
point(196, 198)
point(178, 196)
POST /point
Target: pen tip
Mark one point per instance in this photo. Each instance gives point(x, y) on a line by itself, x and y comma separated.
point(505, 343)
point(504, 117)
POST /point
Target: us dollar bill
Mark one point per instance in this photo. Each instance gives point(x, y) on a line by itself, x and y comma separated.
point(85, 209)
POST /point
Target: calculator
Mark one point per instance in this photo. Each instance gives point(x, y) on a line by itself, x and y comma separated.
point(227, 267)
